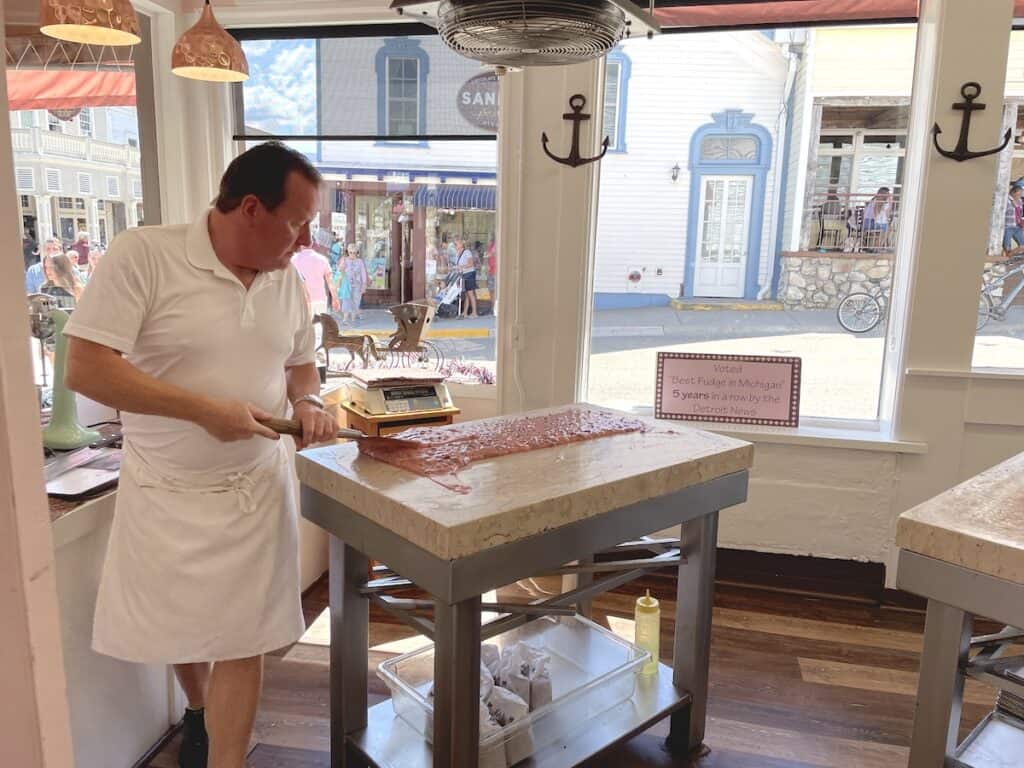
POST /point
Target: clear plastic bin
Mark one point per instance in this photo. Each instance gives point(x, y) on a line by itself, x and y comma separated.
point(592, 670)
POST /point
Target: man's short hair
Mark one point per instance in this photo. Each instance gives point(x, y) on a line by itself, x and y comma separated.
point(262, 171)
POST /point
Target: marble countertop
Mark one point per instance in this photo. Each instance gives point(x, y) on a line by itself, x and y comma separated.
point(979, 524)
point(517, 496)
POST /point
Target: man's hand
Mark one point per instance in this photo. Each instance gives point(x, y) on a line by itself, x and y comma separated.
point(231, 420)
point(318, 426)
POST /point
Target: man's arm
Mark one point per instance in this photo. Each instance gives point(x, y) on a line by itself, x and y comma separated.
point(317, 426)
point(102, 374)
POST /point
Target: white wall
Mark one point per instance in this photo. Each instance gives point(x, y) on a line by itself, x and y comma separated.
point(677, 83)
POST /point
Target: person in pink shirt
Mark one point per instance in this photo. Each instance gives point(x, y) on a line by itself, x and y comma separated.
point(315, 271)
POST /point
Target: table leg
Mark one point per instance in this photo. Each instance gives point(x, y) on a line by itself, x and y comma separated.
point(571, 581)
point(350, 641)
point(940, 687)
point(691, 654)
point(457, 684)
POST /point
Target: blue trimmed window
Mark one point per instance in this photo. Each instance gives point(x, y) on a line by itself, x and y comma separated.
point(617, 71)
point(402, 67)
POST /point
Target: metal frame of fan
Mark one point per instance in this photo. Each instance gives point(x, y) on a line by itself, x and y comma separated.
point(518, 33)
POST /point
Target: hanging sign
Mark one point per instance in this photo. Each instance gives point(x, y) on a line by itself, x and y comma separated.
point(736, 389)
point(478, 101)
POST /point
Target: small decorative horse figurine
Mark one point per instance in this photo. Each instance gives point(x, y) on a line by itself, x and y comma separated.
point(361, 345)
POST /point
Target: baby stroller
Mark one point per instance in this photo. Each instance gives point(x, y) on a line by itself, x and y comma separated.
point(449, 298)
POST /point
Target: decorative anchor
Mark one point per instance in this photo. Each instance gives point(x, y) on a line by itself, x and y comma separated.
point(970, 91)
point(576, 103)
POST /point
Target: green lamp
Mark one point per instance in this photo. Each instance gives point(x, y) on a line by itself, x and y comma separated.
point(64, 433)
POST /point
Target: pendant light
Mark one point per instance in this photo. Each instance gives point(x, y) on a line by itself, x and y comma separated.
point(208, 52)
point(95, 22)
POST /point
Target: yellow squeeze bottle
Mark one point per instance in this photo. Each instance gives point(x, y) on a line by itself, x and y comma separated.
point(648, 629)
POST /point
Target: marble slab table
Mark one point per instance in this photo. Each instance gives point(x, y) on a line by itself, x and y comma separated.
point(964, 552)
point(524, 514)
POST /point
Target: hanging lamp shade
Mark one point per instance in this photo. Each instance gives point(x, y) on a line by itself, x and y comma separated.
point(208, 52)
point(94, 22)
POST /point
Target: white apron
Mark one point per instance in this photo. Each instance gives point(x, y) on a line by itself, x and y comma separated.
point(201, 567)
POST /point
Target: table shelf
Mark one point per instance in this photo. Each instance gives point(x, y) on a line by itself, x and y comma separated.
point(389, 742)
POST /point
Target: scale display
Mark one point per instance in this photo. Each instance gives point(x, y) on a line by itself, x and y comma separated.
point(409, 399)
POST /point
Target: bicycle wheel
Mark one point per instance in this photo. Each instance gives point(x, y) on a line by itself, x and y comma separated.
point(984, 310)
point(859, 312)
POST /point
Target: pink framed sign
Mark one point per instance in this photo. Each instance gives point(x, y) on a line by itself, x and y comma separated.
point(736, 389)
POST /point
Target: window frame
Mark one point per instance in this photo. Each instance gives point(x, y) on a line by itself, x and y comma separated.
point(18, 170)
point(85, 127)
point(624, 64)
point(46, 182)
point(401, 48)
point(87, 189)
point(53, 124)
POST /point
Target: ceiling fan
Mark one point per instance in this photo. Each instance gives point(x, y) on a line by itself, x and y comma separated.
point(521, 33)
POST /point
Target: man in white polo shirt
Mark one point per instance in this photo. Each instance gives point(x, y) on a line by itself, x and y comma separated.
point(195, 333)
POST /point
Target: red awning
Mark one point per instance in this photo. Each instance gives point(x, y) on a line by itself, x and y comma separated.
point(781, 13)
point(68, 89)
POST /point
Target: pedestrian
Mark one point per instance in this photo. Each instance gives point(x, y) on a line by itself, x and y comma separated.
point(315, 271)
point(29, 250)
point(467, 266)
point(1013, 233)
point(35, 275)
point(63, 282)
point(197, 333)
point(81, 249)
point(877, 216)
point(352, 282)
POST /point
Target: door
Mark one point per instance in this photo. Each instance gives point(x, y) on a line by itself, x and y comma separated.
point(724, 236)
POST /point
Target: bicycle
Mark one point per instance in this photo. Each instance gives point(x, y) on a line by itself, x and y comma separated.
point(862, 312)
point(991, 306)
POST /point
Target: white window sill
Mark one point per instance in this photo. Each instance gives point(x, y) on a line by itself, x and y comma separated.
point(998, 374)
point(851, 436)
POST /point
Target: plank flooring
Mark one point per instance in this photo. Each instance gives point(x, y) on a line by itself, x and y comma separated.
point(797, 681)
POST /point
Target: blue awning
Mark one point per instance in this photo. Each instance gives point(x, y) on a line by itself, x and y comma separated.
point(456, 197)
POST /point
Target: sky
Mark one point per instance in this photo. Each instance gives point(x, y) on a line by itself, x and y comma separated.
point(280, 94)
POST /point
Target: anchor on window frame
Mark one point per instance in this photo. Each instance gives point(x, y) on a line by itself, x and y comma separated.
point(576, 104)
point(970, 91)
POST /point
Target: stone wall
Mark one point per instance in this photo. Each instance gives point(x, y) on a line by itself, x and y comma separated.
point(814, 280)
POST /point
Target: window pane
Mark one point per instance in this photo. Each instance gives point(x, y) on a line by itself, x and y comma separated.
point(346, 87)
point(65, 148)
point(767, 250)
point(999, 324)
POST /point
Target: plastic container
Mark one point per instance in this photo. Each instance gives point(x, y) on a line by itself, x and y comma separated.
point(592, 670)
point(647, 617)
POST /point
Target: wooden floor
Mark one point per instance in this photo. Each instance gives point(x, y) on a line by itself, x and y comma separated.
point(796, 681)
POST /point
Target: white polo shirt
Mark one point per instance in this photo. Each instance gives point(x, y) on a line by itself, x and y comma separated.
point(161, 296)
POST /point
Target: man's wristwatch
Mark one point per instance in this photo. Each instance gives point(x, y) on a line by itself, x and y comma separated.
point(314, 399)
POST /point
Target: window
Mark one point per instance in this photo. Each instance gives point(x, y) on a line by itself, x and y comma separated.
point(616, 89)
point(999, 332)
point(28, 118)
point(113, 186)
point(84, 184)
point(53, 180)
point(26, 179)
point(136, 188)
point(710, 211)
point(85, 122)
point(400, 206)
point(403, 98)
point(53, 123)
point(66, 203)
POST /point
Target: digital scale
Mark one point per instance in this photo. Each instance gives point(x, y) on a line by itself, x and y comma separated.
point(398, 393)
point(386, 401)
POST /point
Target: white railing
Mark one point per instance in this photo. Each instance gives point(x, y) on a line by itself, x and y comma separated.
point(50, 143)
point(837, 222)
point(21, 139)
point(54, 143)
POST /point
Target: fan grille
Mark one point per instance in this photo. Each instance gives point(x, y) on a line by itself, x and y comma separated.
point(517, 33)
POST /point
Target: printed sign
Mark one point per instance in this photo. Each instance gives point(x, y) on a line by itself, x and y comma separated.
point(478, 101)
point(737, 389)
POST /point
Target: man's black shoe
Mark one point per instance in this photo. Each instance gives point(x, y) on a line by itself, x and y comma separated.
point(194, 744)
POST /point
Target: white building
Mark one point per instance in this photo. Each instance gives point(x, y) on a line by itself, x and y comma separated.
point(77, 174)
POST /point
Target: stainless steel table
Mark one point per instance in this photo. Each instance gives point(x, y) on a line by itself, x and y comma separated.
point(373, 511)
point(964, 551)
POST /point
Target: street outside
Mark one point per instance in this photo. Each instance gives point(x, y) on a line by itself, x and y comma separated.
point(841, 371)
